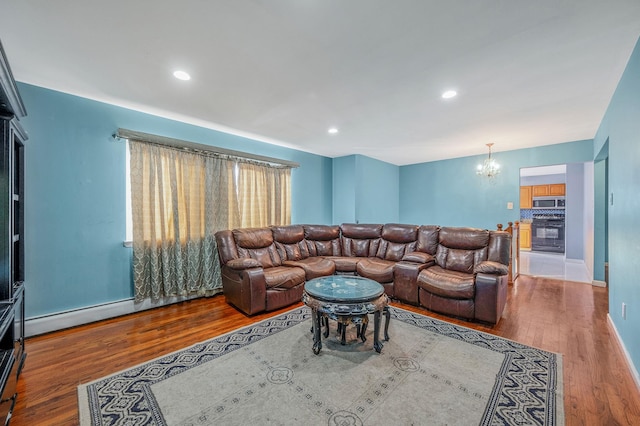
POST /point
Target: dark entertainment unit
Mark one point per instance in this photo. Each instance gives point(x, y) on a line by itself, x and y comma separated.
point(12, 353)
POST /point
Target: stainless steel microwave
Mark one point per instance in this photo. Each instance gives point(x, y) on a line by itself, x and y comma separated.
point(548, 202)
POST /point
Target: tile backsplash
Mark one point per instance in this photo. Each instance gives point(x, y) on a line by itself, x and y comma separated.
point(528, 213)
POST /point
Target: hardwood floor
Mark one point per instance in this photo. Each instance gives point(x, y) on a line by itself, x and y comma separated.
point(559, 316)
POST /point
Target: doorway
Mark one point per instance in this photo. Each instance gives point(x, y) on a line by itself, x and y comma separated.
point(556, 211)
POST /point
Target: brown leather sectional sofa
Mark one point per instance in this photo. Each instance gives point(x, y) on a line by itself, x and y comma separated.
point(455, 271)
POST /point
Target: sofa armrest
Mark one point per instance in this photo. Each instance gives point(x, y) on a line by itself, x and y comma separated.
point(243, 263)
point(491, 297)
point(246, 289)
point(488, 267)
point(405, 280)
point(418, 257)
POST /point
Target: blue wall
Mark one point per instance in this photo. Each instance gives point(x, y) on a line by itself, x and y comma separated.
point(621, 128)
point(449, 193)
point(365, 190)
point(378, 196)
point(75, 195)
point(344, 189)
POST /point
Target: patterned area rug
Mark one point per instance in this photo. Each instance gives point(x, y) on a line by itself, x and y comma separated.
point(429, 372)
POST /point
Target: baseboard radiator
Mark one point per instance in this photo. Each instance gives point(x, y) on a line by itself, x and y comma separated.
point(59, 321)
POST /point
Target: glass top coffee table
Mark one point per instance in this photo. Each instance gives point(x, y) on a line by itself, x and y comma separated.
point(347, 300)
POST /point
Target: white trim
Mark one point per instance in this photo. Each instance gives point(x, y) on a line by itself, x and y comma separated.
point(632, 368)
point(598, 283)
point(48, 323)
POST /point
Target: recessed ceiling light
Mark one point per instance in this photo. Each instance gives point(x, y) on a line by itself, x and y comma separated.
point(333, 130)
point(449, 94)
point(181, 75)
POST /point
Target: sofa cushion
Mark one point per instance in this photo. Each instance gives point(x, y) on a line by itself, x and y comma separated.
point(267, 256)
point(344, 263)
point(464, 238)
point(253, 238)
point(418, 257)
point(428, 239)
point(321, 232)
point(257, 243)
point(397, 240)
point(323, 248)
point(394, 251)
point(455, 259)
point(292, 251)
point(361, 230)
point(360, 248)
point(464, 308)
point(360, 240)
point(399, 233)
point(283, 277)
point(447, 283)
point(290, 234)
point(322, 240)
point(461, 249)
point(314, 267)
point(379, 270)
point(289, 241)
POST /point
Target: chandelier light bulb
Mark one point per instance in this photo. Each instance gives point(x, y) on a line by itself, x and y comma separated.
point(489, 168)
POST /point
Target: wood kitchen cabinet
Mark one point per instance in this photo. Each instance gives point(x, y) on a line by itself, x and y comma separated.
point(553, 189)
point(540, 190)
point(525, 236)
point(526, 196)
point(557, 189)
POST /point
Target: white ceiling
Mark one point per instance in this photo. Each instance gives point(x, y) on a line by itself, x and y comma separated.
point(528, 73)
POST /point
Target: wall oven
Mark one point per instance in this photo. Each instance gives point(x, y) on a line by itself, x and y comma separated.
point(548, 202)
point(547, 233)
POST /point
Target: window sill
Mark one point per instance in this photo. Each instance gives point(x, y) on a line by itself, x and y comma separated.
point(127, 244)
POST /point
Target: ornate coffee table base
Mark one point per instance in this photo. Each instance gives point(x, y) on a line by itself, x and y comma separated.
point(345, 314)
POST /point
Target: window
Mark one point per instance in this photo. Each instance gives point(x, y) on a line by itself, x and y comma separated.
point(177, 199)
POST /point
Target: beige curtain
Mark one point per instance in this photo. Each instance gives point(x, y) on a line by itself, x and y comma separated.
point(264, 194)
point(179, 200)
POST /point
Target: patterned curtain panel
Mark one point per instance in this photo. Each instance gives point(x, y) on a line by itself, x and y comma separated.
point(264, 194)
point(179, 200)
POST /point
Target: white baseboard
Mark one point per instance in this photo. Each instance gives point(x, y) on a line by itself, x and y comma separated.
point(598, 283)
point(59, 321)
point(632, 368)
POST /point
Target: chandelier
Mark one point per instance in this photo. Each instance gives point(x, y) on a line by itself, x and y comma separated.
point(489, 167)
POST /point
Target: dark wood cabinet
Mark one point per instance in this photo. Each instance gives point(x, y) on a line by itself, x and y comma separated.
point(12, 292)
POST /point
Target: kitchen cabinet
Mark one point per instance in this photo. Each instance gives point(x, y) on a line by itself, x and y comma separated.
point(553, 189)
point(557, 189)
point(526, 196)
point(540, 190)
point(525, 236)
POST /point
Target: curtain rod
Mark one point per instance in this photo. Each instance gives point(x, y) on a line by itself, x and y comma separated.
point(163, 140)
